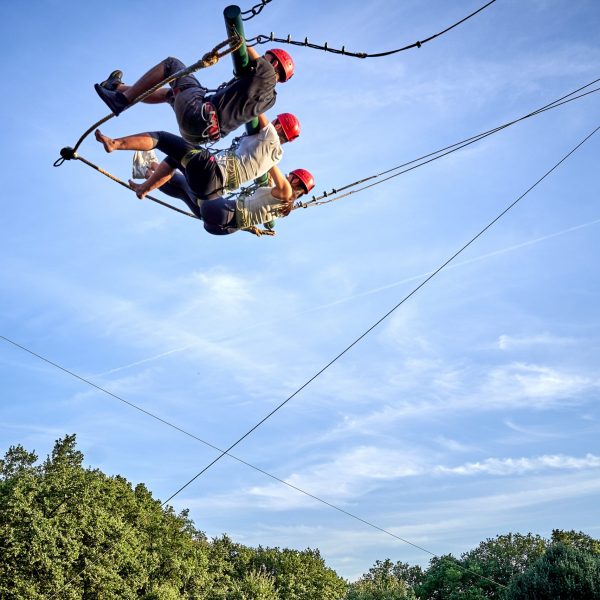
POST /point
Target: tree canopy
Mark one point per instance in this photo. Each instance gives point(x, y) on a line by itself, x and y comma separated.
point(71, 532)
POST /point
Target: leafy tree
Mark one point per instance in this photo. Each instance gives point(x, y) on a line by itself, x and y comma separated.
point(576, 539)
point(296, 574)
point(384, 581)
point(478, 572)
point(563, 573)
point(77, 533)
point(255, 585)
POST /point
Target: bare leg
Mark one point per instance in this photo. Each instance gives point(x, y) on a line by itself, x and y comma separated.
point(157, 97)
point(139, 141)
point(155, 75)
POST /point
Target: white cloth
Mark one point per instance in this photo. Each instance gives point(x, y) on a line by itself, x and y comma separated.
point(261, 207)
point(255, 154)
point(142, 160)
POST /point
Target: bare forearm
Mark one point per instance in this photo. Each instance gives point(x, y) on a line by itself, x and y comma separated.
point(282, 188)
point(161, 175)
point(252, 53)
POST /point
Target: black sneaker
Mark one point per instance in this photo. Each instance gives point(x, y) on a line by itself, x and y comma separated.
point(116, 101)
point(113, 81)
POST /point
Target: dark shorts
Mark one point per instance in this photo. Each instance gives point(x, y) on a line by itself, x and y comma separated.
point(219, 216)
point(187, 99)
point(178, 187)
point(201, 172)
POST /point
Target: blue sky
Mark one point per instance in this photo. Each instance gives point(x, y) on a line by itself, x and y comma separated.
point(471, 411)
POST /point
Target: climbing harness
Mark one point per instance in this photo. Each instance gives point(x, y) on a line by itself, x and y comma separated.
point(209, 114)
point(263, 39)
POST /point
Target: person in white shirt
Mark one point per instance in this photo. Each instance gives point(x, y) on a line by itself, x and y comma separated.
point(212, 175)
point(222, 216)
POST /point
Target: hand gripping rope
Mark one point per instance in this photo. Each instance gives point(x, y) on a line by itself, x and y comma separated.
point(263, 39)
point(208, 60)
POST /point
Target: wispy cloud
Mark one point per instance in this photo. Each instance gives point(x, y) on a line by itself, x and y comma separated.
point(509, 342)
point(535, 385)
point(519, 466)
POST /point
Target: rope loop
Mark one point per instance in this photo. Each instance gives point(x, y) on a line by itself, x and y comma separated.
point(66, 153)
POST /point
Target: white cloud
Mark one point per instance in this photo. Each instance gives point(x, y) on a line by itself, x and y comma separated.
point(535, 385)
point(509, 342)
point(519, 466)
point(535, 432)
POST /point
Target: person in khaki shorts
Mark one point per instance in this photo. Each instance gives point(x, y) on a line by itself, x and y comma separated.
point(203, 118)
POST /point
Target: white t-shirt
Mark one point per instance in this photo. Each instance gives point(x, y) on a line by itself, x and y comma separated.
point(255, 154)
point(261, 207)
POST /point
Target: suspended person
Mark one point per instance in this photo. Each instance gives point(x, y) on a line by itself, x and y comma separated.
point(223, 216)
point(205, 184)
point(201, 117)
point(249, 158)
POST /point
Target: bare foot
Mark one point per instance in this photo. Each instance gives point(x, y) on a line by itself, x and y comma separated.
point(108, 143)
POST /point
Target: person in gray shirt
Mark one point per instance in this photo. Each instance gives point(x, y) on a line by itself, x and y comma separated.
point(202, 117)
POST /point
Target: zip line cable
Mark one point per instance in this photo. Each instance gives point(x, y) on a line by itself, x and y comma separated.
point(422, 160)
point(380, 320)
point(263, 39)
point(240, 460)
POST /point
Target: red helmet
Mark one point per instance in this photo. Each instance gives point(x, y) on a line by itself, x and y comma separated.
point(286, 64)
point(290, 125)
point(308, 181)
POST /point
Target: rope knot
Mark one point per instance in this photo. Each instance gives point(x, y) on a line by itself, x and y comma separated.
point(210, 59)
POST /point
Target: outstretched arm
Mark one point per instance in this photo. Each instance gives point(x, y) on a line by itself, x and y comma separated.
point(262, 121)
point(160, 176)
point(252, 53)
point(282, 189)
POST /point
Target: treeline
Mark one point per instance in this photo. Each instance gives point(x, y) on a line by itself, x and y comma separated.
point(74, 533)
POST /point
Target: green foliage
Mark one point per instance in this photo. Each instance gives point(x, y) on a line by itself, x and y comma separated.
point(477, 573)
point(576, 539)
point(385, 581)
point(295, 574)
point(74, 533)
point(255, 585)
point(563, 573)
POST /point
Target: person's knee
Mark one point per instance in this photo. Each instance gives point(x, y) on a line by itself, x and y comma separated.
point(172, 65)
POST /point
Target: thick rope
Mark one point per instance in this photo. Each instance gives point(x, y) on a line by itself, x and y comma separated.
point(121, 182)
point(263, 39)
point(432, 156)
point(208, 60)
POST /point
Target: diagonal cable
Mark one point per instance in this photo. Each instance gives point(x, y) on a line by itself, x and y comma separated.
point(380, 320)
point(240, 460)
point(422, 160)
